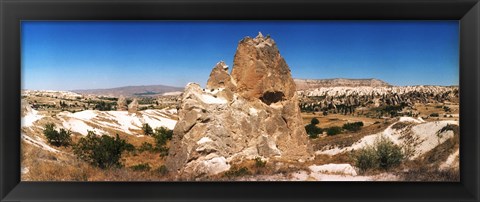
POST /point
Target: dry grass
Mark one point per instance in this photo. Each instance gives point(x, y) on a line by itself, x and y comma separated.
point(76, 170)
point(134, 158)
point(430, 174)
point(336, 119)
point(426, 109)
point(43, 165)
point(347, 139)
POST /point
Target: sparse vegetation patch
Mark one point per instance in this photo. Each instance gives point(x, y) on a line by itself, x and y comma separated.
point(141, 167)
point(312, 129)
point(57, 138)
point(382, 154)
point(335, 130)
point(353, 127)
point(101, 151)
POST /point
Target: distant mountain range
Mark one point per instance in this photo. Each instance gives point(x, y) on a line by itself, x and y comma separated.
point(305, 84)
point(131, 91)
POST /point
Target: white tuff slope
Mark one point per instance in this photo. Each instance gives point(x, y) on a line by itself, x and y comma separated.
point(424, 133)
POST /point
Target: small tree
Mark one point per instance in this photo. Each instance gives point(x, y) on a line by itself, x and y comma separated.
point(147, 130)
point(103, 152)
point(312, 130)
point(57, 138)
point(162, 135)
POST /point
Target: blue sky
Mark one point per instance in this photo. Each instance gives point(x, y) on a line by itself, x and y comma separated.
point(66, 55)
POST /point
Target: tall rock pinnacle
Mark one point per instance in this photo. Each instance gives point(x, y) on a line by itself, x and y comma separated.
point(261, 72)
point(252, 113)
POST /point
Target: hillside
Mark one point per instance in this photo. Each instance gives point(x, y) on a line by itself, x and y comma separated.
point(307, 84)
point(131, 91)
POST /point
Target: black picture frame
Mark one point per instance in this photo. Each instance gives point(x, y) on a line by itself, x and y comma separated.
point(14, 11)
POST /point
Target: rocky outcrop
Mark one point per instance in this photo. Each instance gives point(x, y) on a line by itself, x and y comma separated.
point(348, 98)
point(252, 113)
point(310, 84)
point(133, 106)
point(122, 104)
point(220, 79)
point(25, 108)
point(260, 72)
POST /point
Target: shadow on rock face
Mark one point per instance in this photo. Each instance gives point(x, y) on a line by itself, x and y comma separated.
point(272, 97)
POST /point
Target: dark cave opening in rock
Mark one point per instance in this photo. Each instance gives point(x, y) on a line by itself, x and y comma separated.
point(272, 97)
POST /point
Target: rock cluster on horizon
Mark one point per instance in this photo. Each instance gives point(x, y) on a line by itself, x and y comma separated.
point(251, 113)
point(310, 84)
point(133, 106)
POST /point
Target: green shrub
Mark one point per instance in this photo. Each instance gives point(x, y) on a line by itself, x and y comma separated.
point(389, 154)
point(446, 109)
point(334, 130)
point(145, 147)
point(355, 126)
point(147, 130)
point(259, 163)
point(103, 152)
point(57, 138)
point(141, 167)
point(366, 159)
point(383, 154)
point(162, 135)
point(434, 115)
point(313, 131)
point(163, 151)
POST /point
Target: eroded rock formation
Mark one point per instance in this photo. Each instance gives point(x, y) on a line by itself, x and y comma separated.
point(133, 106)
point(122, 104)
point(252, 113)
point(344, 99)
point(311, 84)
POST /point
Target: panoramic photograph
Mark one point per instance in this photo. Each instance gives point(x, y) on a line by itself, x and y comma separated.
point(240, 101)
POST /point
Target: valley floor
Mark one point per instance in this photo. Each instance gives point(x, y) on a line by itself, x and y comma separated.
point(434, 154)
